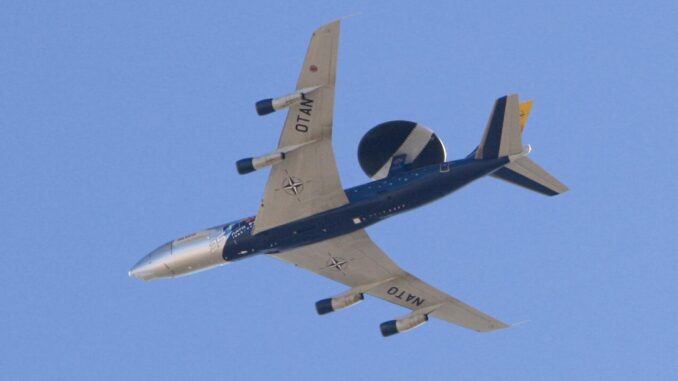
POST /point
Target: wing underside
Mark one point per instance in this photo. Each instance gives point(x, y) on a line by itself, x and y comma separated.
point(307, 182)
point(357, 262)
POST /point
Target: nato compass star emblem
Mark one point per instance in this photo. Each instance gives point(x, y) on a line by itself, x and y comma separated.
point(336, 264)
point(293, 186)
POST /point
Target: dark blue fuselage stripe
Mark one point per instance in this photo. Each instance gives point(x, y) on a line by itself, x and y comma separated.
point(369, 204)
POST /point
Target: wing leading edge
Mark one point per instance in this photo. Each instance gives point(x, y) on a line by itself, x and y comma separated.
point(356, 261)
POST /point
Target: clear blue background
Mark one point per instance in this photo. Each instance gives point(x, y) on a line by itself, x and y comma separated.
point(120, 123)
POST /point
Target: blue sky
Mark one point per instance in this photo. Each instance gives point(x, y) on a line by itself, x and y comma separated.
point(121, 122)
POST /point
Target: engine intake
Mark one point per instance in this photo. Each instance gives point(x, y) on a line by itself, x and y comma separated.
point(337, 303)
point(405, 324)
point(265, 106)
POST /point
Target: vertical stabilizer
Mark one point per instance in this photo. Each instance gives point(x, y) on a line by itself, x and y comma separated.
point(502, 135)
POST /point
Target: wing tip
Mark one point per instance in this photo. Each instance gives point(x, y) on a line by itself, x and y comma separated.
point(334, 24)
point(494, 326)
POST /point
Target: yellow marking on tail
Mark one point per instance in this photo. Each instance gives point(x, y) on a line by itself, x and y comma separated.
point(525, 108)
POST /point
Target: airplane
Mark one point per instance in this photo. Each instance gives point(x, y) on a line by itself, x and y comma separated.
point(308, 219)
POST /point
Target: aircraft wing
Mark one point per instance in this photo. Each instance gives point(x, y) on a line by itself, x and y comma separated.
point(355, 261)
point(307, 182)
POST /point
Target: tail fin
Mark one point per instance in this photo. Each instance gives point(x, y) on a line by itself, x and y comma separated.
point(503, 137)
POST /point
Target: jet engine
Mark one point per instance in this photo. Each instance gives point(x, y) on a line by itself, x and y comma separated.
point(252, 164)
point(270, 105)
point(337, 303)
point(396, 145)
point(402, 325)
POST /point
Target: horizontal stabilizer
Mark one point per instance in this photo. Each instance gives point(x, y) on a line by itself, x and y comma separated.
point(526, 173)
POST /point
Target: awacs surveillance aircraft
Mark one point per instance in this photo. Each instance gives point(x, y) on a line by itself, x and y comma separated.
point(307, 219)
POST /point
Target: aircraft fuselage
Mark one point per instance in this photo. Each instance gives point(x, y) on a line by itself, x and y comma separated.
point(368, 204)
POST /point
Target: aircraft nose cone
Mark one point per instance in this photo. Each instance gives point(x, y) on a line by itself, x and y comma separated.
point(142, 270)
point(152, 266)
point(135, 271)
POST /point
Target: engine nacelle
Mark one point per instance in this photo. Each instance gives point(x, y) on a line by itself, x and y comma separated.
point(337, 303)
point(270, 105)
point(402, 325)
point(252, 164)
